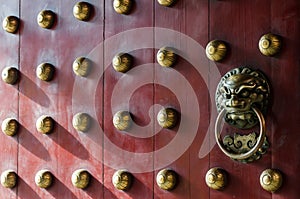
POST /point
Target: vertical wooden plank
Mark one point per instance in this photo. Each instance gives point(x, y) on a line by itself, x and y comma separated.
point(285, 79)
point(36, 150)
point(65, 150)
point(79, 150)
point(9, 51)
point(122, 149)
point(184, 88)
point(241, 24)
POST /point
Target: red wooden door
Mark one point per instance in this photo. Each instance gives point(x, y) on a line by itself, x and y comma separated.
point(189, 149)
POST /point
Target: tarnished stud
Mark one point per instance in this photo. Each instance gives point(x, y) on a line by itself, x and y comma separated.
point(122, 62)
point(167, 117)
point(271, 180)
point(45, 124)
point(80, 178)
point(122, 180)
point(10, 126)
point(166, 57)
point(11, 24)
point(122, 120)
point(43, 179)
point(166, 179)
point(10, 75)
point(216, 178)
point(46, 19)
point(82, 66)
point(216, 50)
point(45, 71)
point(122, 6)
point(82, 122)
point(9, 179)
point(270, 44)
point(166, 2)
point(82, 11)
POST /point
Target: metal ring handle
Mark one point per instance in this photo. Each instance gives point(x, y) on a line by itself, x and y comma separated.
point(252, 151)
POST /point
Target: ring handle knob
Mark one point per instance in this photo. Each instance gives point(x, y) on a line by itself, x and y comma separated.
point(254, 149)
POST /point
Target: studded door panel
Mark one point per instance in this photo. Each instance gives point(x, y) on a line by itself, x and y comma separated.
point(72, 140)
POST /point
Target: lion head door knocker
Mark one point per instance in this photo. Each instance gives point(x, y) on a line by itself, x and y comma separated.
point(241, 98)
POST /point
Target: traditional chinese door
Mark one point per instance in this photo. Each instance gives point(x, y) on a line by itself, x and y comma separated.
point(110, 99)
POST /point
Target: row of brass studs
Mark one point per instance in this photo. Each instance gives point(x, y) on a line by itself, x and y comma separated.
point(270, 179)
point(269, 45)
point(44, 178)
point(166, 179)
point(122, 180)
point(167, 118)
point(81, 11)
point(81, 66)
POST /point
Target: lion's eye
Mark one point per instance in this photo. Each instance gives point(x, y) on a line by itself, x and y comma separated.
point(245, 93)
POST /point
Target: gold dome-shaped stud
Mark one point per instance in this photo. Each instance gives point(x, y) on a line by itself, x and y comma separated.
point(216, 178)
point(122, 62)
point(216, 50)
point(122, 120)
point(269, 44)
point(82, 122)
point(122, 6)
point(10, 75)
point(45, 71)
point(11, 24)
point(82, 11)
point(10, 126)
point(166, 179)
point(46, 19)
point(167, 118)
point(81, 178)
point(271, 180)
point(166, 2)
point(122, 180)
point(82, 66)
point(9, 179)
point(43, 179)
point(166, 57)
point(45, 124)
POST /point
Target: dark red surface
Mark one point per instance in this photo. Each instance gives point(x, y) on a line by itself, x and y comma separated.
point(239, 23)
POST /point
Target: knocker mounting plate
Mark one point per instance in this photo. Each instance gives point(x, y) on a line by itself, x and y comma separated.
point(238, 91)
point(242, 97)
